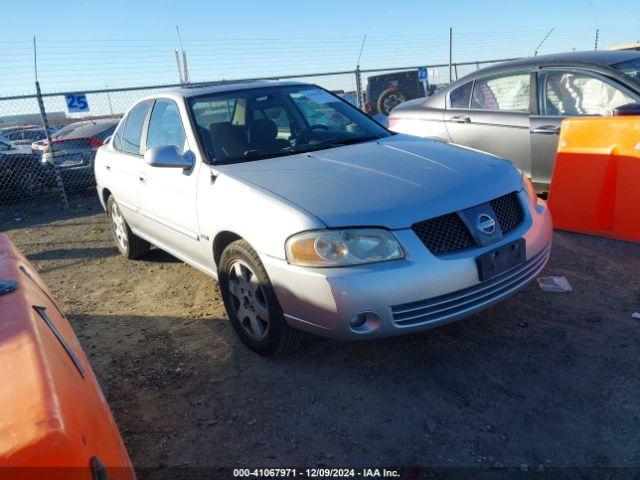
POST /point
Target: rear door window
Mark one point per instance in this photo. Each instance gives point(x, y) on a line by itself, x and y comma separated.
point(509, 93)
point(460, 96)
point(132, 132)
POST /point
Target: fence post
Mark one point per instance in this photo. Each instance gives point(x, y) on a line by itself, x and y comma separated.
point(359, 88)
point(450, 54)
point(45, 125)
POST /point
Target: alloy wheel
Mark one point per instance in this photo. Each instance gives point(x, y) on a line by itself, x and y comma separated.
point(119, 226)
point(249, 300)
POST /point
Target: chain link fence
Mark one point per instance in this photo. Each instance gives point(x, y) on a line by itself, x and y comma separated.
point(48, 141)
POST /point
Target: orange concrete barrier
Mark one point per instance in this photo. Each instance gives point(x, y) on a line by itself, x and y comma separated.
point(595, 186)
point(54, 419)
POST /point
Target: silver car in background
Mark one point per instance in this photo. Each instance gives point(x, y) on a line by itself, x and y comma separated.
point(514, 109)
point(315, 218)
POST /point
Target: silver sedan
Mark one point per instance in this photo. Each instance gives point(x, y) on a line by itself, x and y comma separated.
point(315, 218)
point(514, 109)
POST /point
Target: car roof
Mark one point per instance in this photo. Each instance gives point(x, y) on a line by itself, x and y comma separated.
point(601, 58)
point(86, 127)
point(196, 90)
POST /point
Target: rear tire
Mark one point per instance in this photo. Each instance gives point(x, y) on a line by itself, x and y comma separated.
point(251, 303)
point(128, 243)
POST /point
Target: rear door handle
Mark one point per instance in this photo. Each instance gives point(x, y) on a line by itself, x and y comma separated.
point(460, 119)
point(108, 167)
point(547, 129)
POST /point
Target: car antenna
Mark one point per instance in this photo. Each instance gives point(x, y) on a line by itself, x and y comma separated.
point(361, 50)
point(535, 54)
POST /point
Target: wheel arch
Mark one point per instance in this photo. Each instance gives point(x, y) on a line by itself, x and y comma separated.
point(221, 241)
point(104, 196)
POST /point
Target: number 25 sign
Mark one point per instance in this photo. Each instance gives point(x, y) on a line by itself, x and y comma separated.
point(77, 102)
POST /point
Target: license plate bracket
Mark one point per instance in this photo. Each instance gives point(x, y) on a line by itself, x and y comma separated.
point(501, 259)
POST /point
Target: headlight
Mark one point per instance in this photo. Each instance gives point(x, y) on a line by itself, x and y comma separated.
point(528, 186)
point(335, 248)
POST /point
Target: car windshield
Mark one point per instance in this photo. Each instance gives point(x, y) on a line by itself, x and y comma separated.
point(630, 68)
point(275, 121)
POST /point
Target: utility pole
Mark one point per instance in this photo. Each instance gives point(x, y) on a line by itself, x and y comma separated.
point(184, 64)
point(597, 35)
point(179, 68)
point(184, 57)
point(450, 54)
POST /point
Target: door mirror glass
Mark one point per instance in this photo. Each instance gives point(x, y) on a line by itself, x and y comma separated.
point(627, 109)
point(167, 156)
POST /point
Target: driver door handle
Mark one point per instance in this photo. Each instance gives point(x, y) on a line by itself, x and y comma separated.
point(460, 119)
point(142, 180)
point(547, 129)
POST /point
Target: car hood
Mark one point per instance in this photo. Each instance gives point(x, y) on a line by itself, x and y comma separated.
point(393, 182)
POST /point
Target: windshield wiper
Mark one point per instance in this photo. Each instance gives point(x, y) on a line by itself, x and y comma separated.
point(369, 138)
point(253, 155)
point(333, 143)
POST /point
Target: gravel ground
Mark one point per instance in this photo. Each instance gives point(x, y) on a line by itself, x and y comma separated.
point(541, 379)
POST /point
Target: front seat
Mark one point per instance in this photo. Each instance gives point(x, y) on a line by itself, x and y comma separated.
point(263, 136)
point(227, 140)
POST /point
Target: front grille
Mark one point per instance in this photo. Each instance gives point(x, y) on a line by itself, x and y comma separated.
point(508, 210)
point(448, 233)
point(444, 234)
point(469, 300)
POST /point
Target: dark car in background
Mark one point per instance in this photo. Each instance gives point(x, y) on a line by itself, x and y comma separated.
point(514, 109)
point(73, 149)
point(21, 175)
point(386, 91)
point(4, 131)
point(27, 136)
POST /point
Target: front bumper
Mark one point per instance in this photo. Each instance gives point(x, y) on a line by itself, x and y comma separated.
point(419, 292)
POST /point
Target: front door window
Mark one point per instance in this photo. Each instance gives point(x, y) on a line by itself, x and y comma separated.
point(578, 93)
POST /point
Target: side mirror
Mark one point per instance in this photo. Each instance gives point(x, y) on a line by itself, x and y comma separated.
point(382, 120)
point(167, 156)
point(627, 109)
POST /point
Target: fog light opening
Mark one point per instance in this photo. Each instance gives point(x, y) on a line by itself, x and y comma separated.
point(365, 322)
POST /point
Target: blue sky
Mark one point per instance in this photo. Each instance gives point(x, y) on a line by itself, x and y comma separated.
point(85, 44)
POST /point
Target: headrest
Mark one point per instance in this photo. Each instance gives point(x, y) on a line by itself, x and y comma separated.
point(262, 131)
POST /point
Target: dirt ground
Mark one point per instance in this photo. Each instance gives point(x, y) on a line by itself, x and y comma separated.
point(542, 379)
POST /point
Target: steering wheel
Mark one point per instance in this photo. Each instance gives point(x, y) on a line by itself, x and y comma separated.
point(305, 135)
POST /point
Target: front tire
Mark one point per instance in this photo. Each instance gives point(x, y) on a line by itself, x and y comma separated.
point(128, 243)
point(251, 302)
